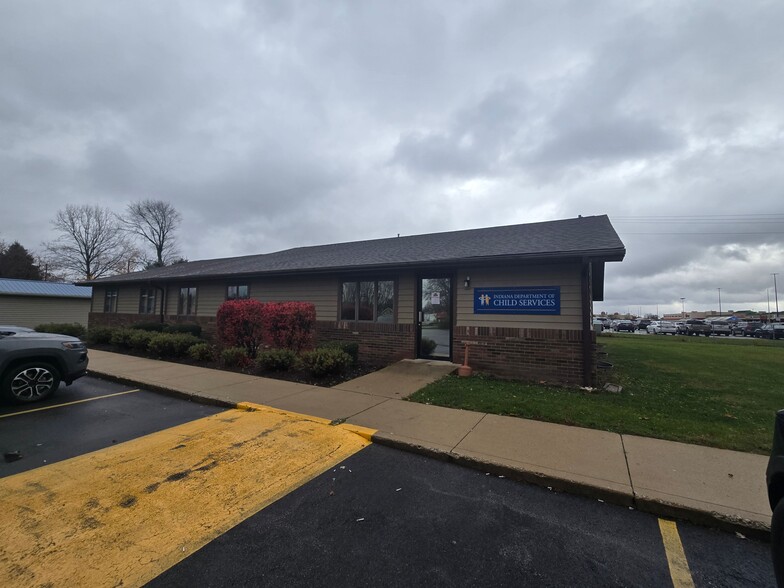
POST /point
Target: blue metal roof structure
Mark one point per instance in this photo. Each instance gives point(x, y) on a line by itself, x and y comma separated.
point(12, 287)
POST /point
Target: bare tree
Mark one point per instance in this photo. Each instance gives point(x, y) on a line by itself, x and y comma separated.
point(154, 221)
point(90, 245)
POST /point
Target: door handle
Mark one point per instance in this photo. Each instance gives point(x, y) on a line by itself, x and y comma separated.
point(420, 317)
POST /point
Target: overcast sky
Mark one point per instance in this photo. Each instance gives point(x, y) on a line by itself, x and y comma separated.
point(272, 125)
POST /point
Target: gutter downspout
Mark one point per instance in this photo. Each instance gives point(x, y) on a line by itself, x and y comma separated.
point(588, 356)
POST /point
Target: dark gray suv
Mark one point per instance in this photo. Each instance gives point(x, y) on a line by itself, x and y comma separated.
point(32, 365)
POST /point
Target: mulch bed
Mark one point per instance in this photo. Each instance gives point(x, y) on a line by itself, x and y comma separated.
point(293, 375)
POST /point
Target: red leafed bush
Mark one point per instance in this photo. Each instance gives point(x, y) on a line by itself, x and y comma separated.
point(289, 325)
point(240, 323)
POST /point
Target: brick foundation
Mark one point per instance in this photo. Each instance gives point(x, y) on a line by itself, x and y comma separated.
point(526, 354)
point(379, 343)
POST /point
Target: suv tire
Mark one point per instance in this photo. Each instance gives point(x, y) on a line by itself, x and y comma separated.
point(30, 382)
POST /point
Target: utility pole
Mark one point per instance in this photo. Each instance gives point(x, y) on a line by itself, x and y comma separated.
point(767, 291)
point(683, 308)
point(776, 293)
point(719, 289)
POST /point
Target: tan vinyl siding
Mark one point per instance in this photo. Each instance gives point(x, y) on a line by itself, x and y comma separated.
point(320, 291)
point(31, 311)
point(406, 298)
point(563, 275)
point(127, 300)
point(98, 296)
point(209, 297)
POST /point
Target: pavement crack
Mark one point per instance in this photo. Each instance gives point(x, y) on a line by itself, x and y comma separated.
point(628, 470)
point(471, 430)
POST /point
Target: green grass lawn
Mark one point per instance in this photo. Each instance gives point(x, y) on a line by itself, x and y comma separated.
point(709, 391)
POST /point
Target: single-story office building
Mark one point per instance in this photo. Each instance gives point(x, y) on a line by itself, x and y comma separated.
point(29, 303)
point(520, 296)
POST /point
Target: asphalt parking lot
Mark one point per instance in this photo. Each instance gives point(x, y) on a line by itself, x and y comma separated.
point(379, 516)
point(90, 414)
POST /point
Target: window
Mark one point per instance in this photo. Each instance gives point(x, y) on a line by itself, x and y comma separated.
point(187, 302)
point(368, 301)
point(110, 300)
point(147, 301)
point(238, 292)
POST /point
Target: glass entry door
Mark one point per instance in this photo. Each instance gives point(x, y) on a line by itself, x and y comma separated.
point(434, 318)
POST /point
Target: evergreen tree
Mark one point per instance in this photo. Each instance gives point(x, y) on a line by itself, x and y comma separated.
point(17, 262)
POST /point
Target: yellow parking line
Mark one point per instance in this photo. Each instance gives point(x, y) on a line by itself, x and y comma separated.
point(4, 416)
point(125, 514)
point(676, 557)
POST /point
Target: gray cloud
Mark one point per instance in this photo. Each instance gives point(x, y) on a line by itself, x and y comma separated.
point(278, 124)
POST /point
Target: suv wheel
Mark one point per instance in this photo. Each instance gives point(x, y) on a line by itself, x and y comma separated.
point(30, 382)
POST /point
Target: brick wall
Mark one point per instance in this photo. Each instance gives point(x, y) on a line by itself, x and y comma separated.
point(527, 354)
point(379, 343)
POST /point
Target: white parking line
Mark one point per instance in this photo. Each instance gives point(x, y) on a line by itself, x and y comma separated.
point(3, 416)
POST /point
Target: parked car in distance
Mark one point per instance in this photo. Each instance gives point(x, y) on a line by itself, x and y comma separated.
point(624, 326)
point(598, 325)
point(667, 328)
point(775, 478)
point(721, 328)
point(643, 324)
point(772, 331)
point(32, 364)
point(651, 328)
point(696, 327)
point(738, 328)
point(750, 328)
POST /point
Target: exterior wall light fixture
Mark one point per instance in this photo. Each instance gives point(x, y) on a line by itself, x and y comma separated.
point(467, 283)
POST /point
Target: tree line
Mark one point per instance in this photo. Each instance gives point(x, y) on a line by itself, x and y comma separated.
point(93, 242)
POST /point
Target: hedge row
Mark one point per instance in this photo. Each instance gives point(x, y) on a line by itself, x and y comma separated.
point(330, 359)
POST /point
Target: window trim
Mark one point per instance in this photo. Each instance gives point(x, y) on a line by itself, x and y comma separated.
point(110, 303)
point(237, 285)
point(146, 298)
point(375, 280)
point(192, 309)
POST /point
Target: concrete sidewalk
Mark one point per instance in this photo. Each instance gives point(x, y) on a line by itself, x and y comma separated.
point(715, 487)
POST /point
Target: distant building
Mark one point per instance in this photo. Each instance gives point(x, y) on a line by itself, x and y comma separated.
point(29, 303)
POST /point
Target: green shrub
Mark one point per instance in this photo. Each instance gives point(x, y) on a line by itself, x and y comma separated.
point(350, 347)
point(427, 346)
point(171, 344)
point(152, 327)
point(188, 328)
point(234, 357)
point(72, 329)
point(276, 360)
point(100, 335)
point(201, 352)
point(122, 337)
point(326, 361)
point(139, 340)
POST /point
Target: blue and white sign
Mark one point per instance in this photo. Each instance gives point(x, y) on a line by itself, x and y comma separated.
point(519, 300)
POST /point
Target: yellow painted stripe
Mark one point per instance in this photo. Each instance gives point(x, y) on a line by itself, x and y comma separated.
point(676, 558)
point(125, 514)
point(5, 416)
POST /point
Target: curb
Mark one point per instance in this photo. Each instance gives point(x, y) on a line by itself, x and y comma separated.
point(704, 518)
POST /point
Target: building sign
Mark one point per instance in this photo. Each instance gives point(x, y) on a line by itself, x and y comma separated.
point(435, 298)
point(519, 300)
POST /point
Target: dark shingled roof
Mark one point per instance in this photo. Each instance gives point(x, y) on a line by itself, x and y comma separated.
point(590, 236)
